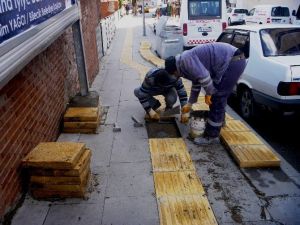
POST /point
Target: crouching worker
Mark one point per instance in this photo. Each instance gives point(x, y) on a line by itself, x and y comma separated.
point(160, 82)
point(216, 67)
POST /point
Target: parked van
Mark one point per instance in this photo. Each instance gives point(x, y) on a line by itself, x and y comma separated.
point(262, 14)
point(202, 21)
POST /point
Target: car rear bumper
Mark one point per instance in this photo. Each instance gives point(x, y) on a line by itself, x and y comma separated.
point(274, 103)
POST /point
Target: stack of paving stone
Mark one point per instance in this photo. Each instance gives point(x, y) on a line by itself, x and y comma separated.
point(81, 120)
point(58, 170)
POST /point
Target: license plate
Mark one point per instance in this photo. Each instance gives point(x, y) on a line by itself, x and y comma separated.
point(204, 29)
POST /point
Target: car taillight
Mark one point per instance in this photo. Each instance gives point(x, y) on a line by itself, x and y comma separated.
point(224, 25)
point(288, 88)
point(184, 29)
point(234, 14)
point(268, 20)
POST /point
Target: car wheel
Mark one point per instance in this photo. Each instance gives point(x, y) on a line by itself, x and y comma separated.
point(229, 22)
point(246, 104)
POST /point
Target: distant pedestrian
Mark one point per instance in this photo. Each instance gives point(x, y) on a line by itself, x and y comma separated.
point(127, 9)
point(216, 67)
point(160, 82)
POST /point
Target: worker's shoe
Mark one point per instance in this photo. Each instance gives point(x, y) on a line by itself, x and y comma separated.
point(206, 140)
point(156, 106)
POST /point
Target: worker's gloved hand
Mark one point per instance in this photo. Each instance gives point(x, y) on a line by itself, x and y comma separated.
point(186, 108)
point(153, 115)
point(185, 113)
point(208, 99)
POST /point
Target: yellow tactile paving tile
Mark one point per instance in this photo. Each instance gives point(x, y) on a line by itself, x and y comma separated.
point(254, 156)
point(162, 162)
point(228, 117)
point(235, 125)
point(167, 145)
point(177, 183)
point(185, 210)
point(55, 155)
point(169, 154)
point(149, 56)
point(200, 106)
point(240, 138)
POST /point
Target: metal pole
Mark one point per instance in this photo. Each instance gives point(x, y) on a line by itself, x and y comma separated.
point(144, 26)
point(80, 58)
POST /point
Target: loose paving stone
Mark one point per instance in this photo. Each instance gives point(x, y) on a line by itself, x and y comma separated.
point(75, 214)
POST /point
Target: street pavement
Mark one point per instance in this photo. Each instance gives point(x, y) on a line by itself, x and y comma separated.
point(121, 190)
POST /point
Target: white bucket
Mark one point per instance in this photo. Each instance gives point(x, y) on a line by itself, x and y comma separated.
point(197, 123)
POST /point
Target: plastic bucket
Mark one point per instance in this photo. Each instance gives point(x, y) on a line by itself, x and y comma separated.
point(197, 123)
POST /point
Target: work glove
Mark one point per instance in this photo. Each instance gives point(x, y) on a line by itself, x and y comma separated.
point(185, 113)
point(153, 115)
point(208, 100)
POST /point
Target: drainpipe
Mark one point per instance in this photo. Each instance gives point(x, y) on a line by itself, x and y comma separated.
point(80, 58)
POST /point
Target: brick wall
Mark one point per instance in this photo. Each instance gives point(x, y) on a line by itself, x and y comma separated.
point(33, 102)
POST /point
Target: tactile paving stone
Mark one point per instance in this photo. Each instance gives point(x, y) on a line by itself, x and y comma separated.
point(82, 164)
point(81, 114)
point(254, 156)
point(235, 125)
point(177, 183)
point(187, 210)
point(169, 154)
point(55, 155)
point(240, 138)
point(200, 106)
point(228, 117)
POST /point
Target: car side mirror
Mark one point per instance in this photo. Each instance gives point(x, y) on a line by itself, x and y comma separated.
point(294, 13)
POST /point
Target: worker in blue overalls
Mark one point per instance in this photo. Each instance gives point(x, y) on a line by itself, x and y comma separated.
point(159, 82)
point(216, 67)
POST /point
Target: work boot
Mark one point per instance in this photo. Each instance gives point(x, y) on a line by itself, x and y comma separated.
point(156, 106)
point(206, 140)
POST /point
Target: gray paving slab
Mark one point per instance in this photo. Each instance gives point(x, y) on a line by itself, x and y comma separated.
point(131, 75)
point(75, 214)
point(285, 210)
point(130, 179)
point(256, 223)
point(37, 211)
point(64, 137)
point(111, 116)
point(130, 211)
point(273, 182)
point(100, 145)
point(128, 148)
point(110, 97)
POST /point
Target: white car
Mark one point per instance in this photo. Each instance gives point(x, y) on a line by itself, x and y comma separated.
point(272, 75)
point(262, 14)
point(236, 16)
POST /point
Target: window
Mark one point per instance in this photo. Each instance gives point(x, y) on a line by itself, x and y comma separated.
point(241, 11)
point(225, 37)
point(251, 12)
point(204, 9)
point(239, 39)
point(280, 12)
point(280, 41)
point(242, 42)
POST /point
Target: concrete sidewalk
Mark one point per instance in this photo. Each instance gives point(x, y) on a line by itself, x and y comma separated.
point(122, 189)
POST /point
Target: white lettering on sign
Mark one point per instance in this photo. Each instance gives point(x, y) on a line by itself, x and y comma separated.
point(17, 22)
point(4, 30)
point(6, 5)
